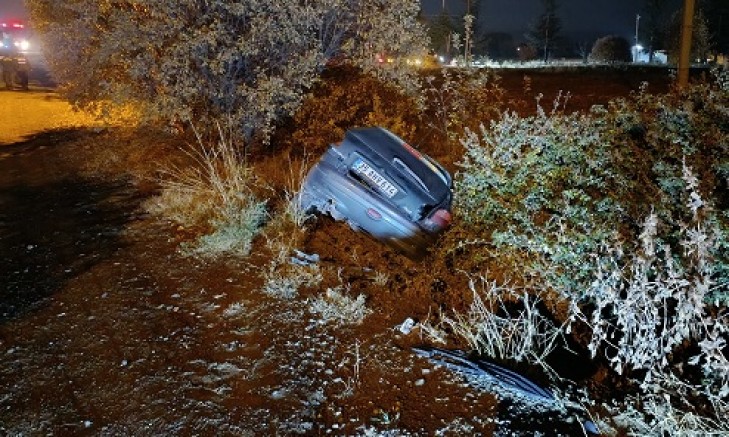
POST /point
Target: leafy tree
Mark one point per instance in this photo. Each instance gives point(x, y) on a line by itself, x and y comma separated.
point(245, 63)
point(439, 31)
point(526, 52)
point(544, 32)
point(611, 48)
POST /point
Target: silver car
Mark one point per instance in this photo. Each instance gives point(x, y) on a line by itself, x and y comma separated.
point(381, 185)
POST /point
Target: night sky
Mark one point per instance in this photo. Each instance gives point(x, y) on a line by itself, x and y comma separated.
point(591, 18)
point(579, 17)
point(12, 9)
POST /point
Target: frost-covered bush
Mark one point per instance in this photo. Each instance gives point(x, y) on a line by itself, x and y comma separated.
point(665, 134)
point(246, 63)
point(651, 320)
point(644, 309)
point(539, 191)
point(547, 194)
point(622, 212)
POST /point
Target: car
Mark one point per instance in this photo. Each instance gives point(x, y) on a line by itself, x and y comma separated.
point(383, 186)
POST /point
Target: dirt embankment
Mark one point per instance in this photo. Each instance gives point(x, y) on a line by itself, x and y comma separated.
point(107, 328)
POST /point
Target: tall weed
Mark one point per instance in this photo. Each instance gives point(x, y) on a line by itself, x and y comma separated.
point(506, 324)
point(216, 193)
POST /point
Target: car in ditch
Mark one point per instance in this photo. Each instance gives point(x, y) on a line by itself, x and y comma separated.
point(381, 185)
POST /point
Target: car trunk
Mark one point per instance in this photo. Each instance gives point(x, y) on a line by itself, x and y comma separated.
point(421, 184)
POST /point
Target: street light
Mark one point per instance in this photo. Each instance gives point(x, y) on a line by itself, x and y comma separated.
point(636, 52)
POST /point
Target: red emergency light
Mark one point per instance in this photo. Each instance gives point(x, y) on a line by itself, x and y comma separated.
point(14, 25)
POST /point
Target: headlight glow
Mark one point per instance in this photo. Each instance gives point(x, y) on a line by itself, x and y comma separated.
point(22, 45)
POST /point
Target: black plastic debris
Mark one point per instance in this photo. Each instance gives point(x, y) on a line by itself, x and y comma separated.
point(487, 374)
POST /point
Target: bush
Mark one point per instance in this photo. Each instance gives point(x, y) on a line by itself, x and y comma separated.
point(242, 63)
point(545, 195)
point(557, 200)
point(538, 190)
point(611, 48)
point(345, 98)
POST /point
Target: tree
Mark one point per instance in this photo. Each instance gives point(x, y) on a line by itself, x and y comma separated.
point(611, 48)
point(439, 31)
point(544, 32)
point(245, 63)
point(584, 48)
point(654, 18)
point(700, 38)
point(717, 13)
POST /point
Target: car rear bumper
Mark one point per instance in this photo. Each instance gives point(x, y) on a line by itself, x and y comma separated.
point(330, 189)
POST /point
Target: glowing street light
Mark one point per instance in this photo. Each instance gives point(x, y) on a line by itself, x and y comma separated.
point(636, 52)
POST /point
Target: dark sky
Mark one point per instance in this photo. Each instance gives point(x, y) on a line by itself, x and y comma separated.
point(12, 9)
point(579, 17)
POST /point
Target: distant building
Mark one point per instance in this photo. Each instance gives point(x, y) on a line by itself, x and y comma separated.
point(659, 57)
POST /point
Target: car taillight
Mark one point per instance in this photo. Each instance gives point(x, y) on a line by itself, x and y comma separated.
point(412, 150)
point(442, 218)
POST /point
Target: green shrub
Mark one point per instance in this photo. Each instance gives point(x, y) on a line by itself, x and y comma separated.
point(546, 194)
point(246, 64)
point(611, 48)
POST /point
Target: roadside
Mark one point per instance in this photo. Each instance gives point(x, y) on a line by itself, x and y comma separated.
point(99, 302)
point(23, 113)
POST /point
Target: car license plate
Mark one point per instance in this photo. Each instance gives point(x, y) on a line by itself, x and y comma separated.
point(375, 178)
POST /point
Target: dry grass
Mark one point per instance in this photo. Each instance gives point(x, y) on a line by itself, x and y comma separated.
point(335, 306)
point(285, 280)
point(503, 323)
point(217, 192)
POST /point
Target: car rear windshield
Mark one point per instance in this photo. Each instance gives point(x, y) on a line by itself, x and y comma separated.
point(400, 156)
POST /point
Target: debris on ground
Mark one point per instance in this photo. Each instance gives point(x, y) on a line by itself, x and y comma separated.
point(304, 259)
point(488, 375)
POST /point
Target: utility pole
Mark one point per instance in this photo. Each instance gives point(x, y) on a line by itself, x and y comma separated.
point(687, 30)
point(635, 51)
point(448, 33)
point(546, 40)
